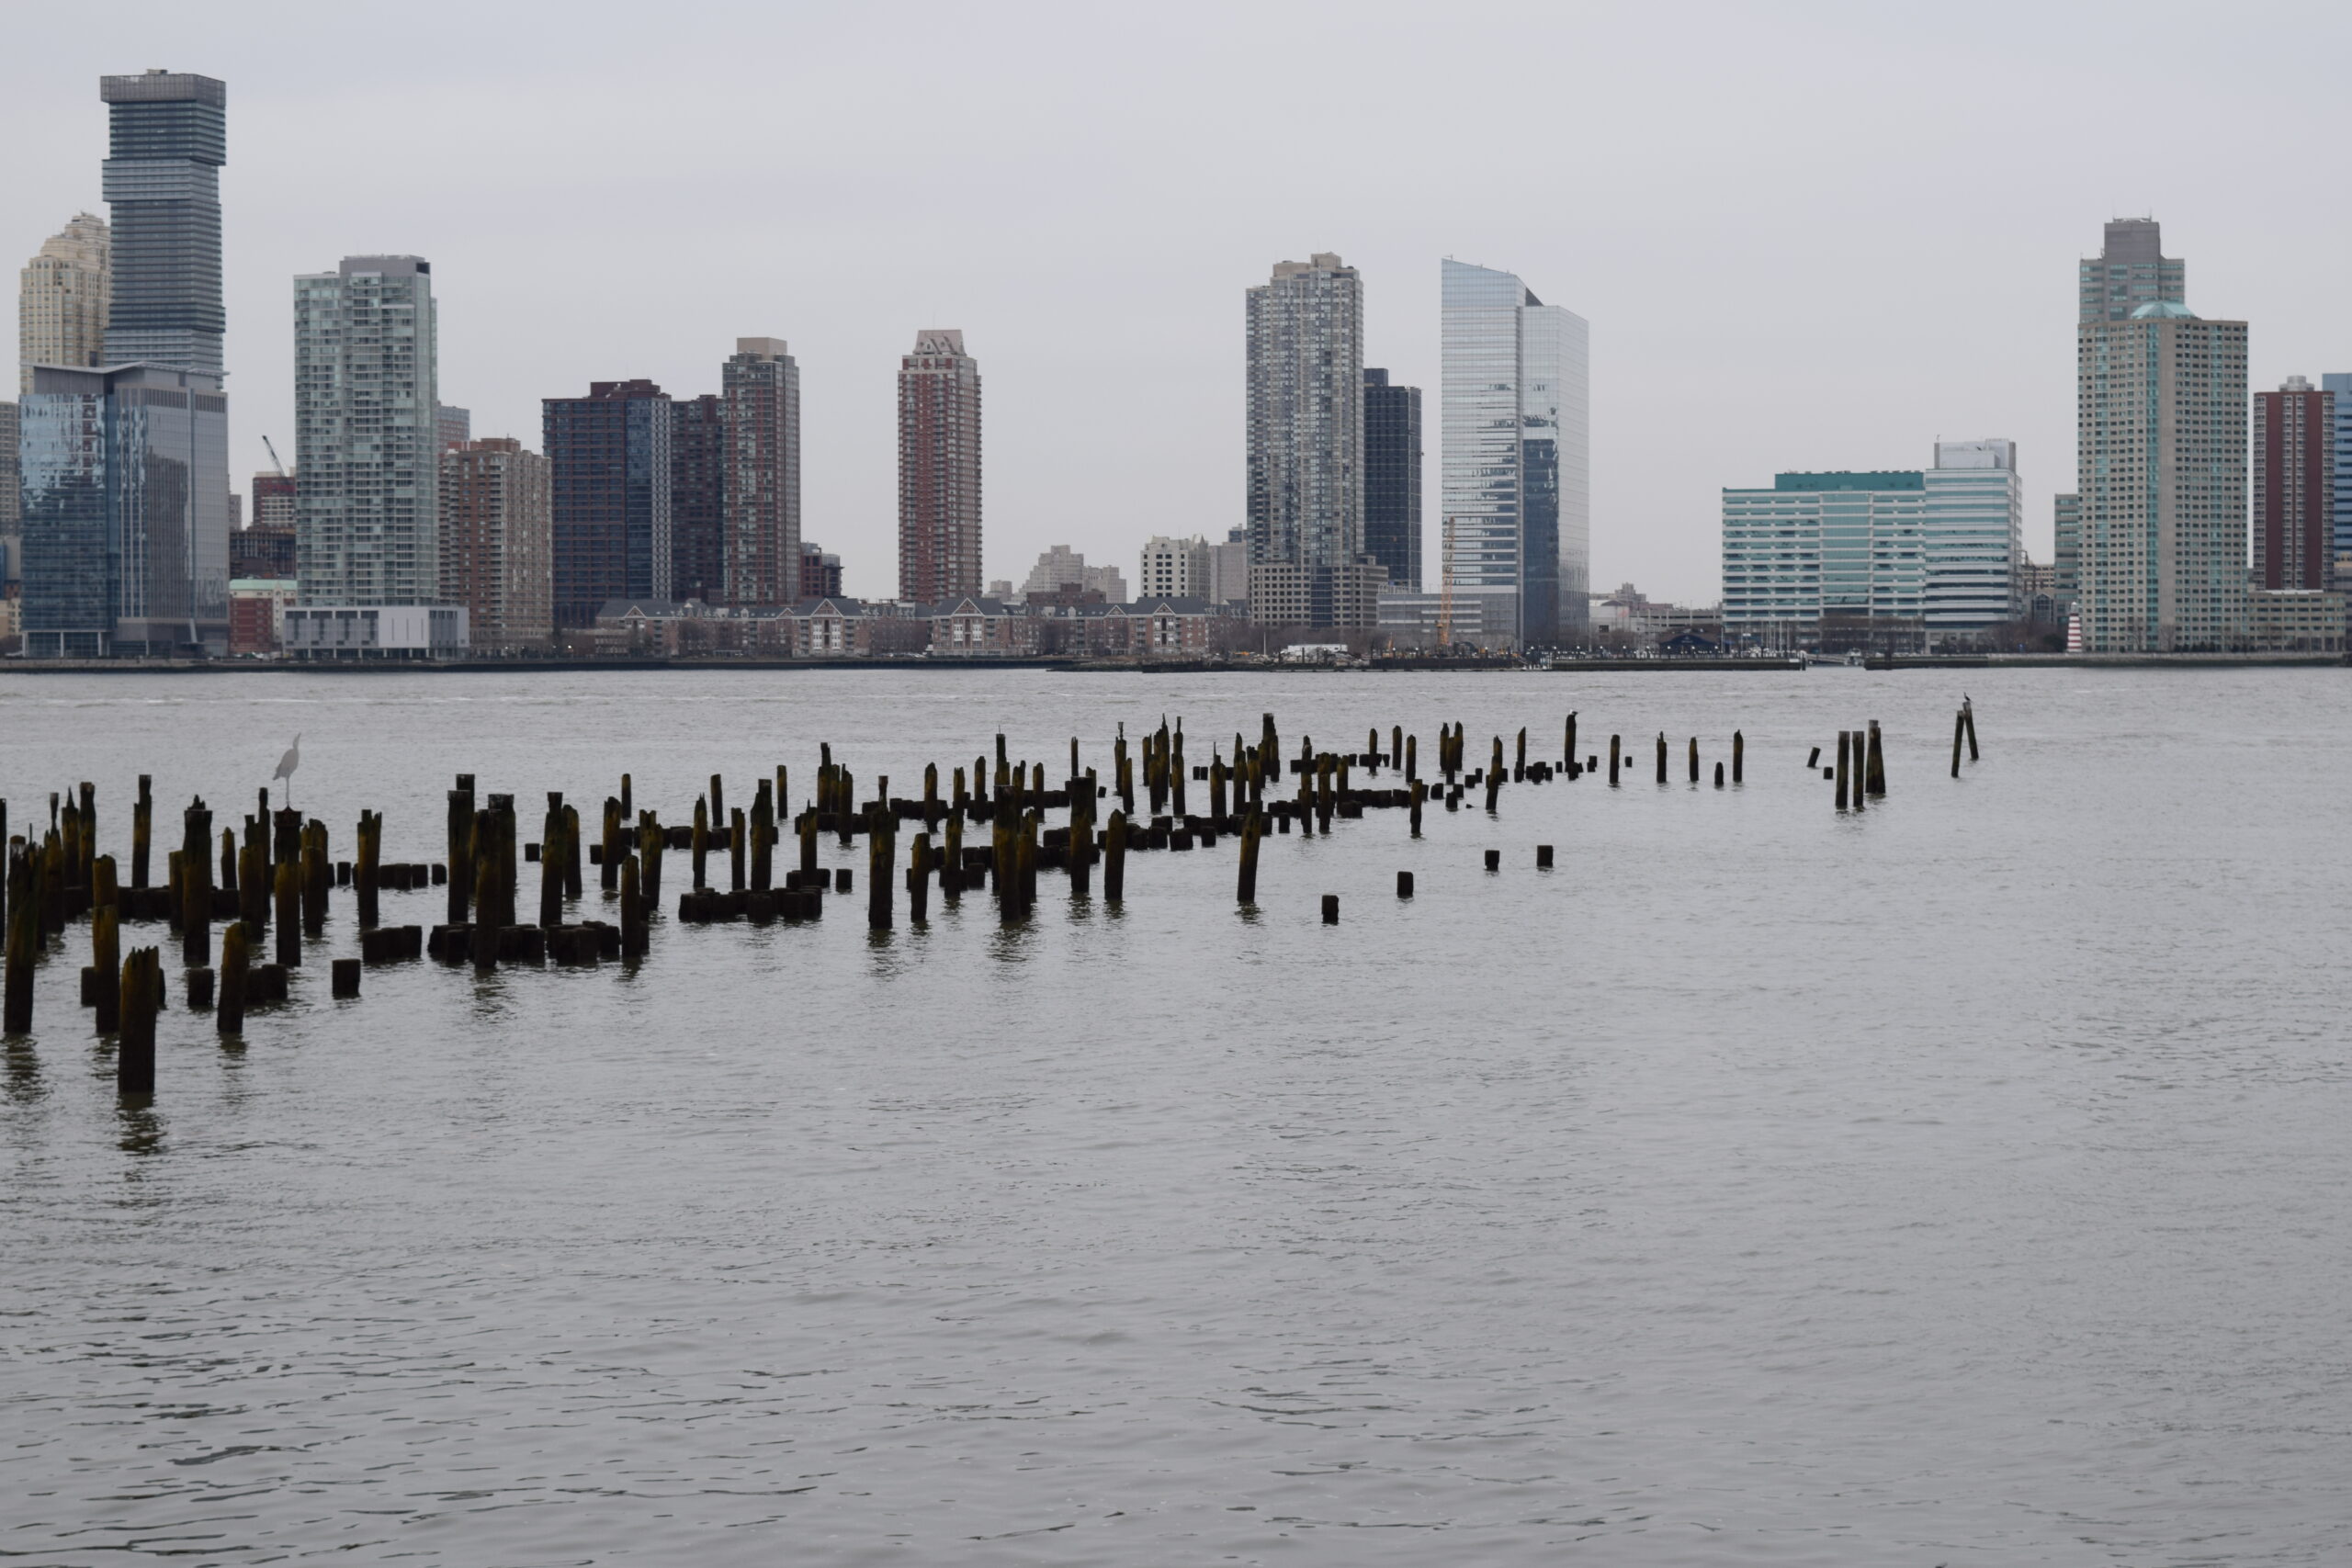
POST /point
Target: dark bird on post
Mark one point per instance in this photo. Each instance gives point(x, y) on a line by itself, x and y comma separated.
point(286, 766)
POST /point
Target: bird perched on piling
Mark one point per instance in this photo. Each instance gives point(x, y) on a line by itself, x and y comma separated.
point(286, 766)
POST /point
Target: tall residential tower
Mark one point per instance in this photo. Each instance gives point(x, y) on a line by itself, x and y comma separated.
point(1305, 478)
point(61, 299)
point(1392, 488)
point(167, 139)
point(2294, 486)
point(761, 398)
point(2160, 456)
point(939, 469)
point(1515, 454)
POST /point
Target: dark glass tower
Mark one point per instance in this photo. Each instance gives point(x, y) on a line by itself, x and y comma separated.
point(613, 480)
point(168, 138)
point(1392, 478)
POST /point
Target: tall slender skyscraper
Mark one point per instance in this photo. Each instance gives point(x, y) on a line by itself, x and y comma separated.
point(1305, 478)
point(2294, 486)
point(61, 299)
point(497, 543)
point(366, 434)
point(168, 138)
point(1392, 487)
point(698, 499)
point(939, 469)
point(1515, 454)
point(761, 396)
point(2160, 456)
point(610, 474)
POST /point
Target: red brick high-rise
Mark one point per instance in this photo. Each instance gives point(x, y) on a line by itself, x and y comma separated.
point(2294, 486)
point(939, 469)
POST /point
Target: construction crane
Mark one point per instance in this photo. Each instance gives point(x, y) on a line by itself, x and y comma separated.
point(273, 456)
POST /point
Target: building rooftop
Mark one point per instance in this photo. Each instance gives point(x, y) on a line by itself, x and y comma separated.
point(2164, 309)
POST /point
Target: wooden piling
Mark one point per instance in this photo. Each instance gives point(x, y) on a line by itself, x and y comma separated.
point(880, 861)
point(1613, 761)
point(632, 912)
point(1330, 908)
point(1844, 771)
point(1114, 859)
point(1968, 712)
point(1739, 755)
point(1661, 756)
point(106, 957)
point(1420, 793)
point(1694, 759)
point(736, 850)
point(1543, 857)
point(1518, 759)
point(1412, 758)
point(228, 860)
point(1719, 775)
point(1404, 884)
point(609, 853)
point(460, 846)
point(951, 869)
point(1493, 860)
point(1569, 747)
point(236, 968)
point(701, 845)
point(918, 877)
point(364, 871)
point(1246, 887)
point(142, 825)
point(290, 915)
point(1959, 733)
point(1875, 772)
point(196, 887)
point(142, 993)
point(23, 942)
point(551, 859)
point(318, 877)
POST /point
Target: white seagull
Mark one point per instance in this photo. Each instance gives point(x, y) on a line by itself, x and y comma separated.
point(286, 766)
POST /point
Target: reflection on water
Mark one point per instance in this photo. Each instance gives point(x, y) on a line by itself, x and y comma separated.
point(1964, 1180)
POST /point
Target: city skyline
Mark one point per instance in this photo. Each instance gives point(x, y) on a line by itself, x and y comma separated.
point(1633, 237)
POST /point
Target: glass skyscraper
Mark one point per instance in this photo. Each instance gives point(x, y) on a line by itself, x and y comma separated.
point(167, 139)
point(1392, 478)
point(1515, 464)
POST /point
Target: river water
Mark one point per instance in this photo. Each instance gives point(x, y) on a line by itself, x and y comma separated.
point(1963, 1182)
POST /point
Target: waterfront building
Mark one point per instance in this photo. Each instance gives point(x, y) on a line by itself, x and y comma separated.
point(609, 475)
point(939, 469)
point(1228, 582)
point(167, 139)
point(2294, 486)
point(761, 397)
point(1392, 478)
point(2066, 552)
point(63, 297)
point(1515, 452)
point(1174, 568)
point(698, 499)
point(1305, 469)
point(366, 434)
point(498, 544)
point(1838, 557)
point(2160, 456)
point(2294, 620)
point(2340, 502)
point(1060, 568)
point(1974, 538)
point(257, 607)
point(126, 517)
point(820, 574)
point(373, 632)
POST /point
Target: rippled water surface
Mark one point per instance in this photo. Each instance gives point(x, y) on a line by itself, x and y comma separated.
point(1968, 1181)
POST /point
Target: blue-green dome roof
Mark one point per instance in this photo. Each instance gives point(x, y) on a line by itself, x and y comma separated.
point(2164, 310)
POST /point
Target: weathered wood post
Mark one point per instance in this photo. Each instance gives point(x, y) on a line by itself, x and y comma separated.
point(1968, 712)
point(1876, 771)
point(951, 870)
point(763, 838)
point(808, 845)
point(1739, 755)
point(143, 826)
point(1420, 788)
point(1719, 775)
point(1568, 746)
point(629, 807)
point(106, 942)
point(701, 844)
point(1844, 771)
point(1246, 890)
point(718, 801)
point(289, 914)
point(318, 877)
point(142, 992)
point(1694, 759)
point(880, 861)
point(24, 943)
point(1115, 861)
point(1330, 908)
point(735, 849)
point(1412, 758)
point(461, 847)
point(228, 860)
point(632, 912)
point(364, 873)
point(609, 855)
point(1404, 884)
point(236, 969)
point(551, 864)
point(1216, 790)
point(196, 887)
point(919, 878)
point(1613, 748)
point(1661, 756)
point(1518, 759)
point(1959, 733)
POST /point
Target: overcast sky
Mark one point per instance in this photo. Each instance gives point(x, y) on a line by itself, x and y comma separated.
point(1806, 236)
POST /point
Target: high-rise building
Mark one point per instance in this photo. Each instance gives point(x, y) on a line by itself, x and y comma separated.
point(11, 506)
point(2294, 486)
point(698, 499)
point(453, 426)
point(939, 469)
point(1175, 569)
point(126, 492)
point(1059, 569)
point(2340, 384)
point(2066, 546)
point(168, 138)
point(1392, 478)
point(62, 298)
point(1304, 476)
point(1228, 582)
point(366, 434)
point(1516, 449)
point(1974, 540)
point(2130, 271)
point(610, 473)
point(820, 574)
point(761, 391)
point(498, 544)
point(1823, 552)
point(274, 501)
point(2160, 456)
